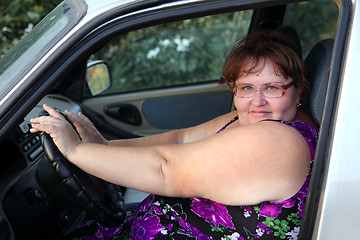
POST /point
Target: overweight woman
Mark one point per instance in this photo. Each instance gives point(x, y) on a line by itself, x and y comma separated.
point(243, 175)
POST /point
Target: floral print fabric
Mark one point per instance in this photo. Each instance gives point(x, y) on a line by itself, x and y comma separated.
point(159, 217)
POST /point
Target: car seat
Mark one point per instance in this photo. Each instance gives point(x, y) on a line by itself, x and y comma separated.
point(288, 36)
point(317, 64)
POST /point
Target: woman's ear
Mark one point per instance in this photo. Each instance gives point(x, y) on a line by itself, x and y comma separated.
point(298, 95)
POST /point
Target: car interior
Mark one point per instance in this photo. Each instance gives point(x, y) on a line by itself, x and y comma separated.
point(34, 201)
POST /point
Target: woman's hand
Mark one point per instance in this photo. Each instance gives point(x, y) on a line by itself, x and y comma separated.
point(61, 131)
point(86, 128)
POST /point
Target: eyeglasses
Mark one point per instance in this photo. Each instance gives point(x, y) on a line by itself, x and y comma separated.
point(270, 90)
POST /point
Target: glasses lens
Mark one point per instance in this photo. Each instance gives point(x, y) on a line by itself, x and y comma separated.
point(272, 90)
point(245, 90)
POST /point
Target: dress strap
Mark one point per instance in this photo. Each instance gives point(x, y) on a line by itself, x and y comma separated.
point(231, 121)
point(272, 120)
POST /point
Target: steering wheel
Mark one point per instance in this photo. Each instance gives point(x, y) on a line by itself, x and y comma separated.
point(71, 187)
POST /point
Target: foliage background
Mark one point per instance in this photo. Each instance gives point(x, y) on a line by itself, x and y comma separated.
point(20, 16)
point(175, 53)
point(169, 54)
point(194, 50)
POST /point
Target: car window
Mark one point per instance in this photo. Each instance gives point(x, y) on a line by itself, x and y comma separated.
point(176, 53)
point(35, 44)
point(312, 27)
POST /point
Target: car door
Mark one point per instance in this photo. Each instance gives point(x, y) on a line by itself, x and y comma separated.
point(168, 76)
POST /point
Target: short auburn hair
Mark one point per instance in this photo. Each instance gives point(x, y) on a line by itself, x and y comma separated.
point(260, 46)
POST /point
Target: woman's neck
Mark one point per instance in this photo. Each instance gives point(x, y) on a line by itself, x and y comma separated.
point(305, 117)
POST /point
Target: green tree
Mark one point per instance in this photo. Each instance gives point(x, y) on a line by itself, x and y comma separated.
point(322, 16)
point(18, 17)
point(182, 52)
point(194, 50)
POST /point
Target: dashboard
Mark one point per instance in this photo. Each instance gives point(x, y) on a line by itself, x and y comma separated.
point(26, 207)
point(33, 205)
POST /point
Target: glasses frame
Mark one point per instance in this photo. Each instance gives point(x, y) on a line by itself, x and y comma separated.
point(284, 88)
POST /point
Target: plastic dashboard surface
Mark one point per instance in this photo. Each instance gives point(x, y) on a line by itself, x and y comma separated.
point(22, 197)
point(56, 101)
point(26, 207)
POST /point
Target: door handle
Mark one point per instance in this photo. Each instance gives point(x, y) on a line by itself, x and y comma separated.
point(126, 113)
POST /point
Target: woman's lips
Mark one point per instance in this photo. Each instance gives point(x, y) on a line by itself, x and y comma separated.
point(260, 113)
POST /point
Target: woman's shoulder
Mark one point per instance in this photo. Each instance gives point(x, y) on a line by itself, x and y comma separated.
point(291, 136)
point(281, 136)
point(297, 124)
point(281, 127)
point(305, 129)
point(270, 135)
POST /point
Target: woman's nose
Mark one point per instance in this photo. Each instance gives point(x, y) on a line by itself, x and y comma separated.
point(259, 99)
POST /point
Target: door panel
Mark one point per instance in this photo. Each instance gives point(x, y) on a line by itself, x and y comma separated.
point(166, 109)
point(186, 110)
point(124, 112)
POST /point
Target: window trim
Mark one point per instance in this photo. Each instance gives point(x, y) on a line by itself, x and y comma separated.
point(314, 203)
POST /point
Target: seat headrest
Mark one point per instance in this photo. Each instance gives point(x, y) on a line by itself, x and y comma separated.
point(288, 36)
point(317, 64)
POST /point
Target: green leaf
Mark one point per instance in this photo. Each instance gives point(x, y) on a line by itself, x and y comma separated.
point(216, 229)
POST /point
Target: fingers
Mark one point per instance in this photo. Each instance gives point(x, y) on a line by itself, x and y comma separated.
point(86, 128)
point(43, 126)
point(47, 123)
point(79, 120)
point(72, 117)
point(53, 112)
point(58, 128)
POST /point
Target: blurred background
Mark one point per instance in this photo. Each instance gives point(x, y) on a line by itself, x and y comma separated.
point(17, 17)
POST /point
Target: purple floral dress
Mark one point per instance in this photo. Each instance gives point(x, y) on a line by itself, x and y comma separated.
point(159, 217)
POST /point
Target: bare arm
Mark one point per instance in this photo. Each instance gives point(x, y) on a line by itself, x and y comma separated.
point(269, 162)
point(244, 165)
point(90, 134)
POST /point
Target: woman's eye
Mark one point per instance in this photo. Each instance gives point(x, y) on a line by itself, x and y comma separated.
point(272, 88)
point(247, 88)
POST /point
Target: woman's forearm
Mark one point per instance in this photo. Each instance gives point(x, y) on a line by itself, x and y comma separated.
point(172, 137)
point(121, 165)
point(186, 135)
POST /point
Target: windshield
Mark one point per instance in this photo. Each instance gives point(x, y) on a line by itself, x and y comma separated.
point(19, 60)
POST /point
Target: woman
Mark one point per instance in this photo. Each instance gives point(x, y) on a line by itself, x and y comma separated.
point(243, 179)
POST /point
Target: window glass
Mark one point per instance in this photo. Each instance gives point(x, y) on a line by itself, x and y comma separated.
point(176, 53)
point(313, 20)
point(36, 43)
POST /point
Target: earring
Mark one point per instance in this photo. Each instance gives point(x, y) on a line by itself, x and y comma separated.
point(298, 105)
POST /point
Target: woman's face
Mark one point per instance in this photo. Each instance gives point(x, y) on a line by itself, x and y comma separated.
point(254, 109)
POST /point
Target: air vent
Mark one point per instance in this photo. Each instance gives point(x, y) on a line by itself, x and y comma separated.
point(4, 230)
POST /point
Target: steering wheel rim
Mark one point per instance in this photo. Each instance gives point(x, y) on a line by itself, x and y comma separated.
point(101, 200)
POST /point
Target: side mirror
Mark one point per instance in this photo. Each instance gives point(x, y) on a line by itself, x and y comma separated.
point(98, 77)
